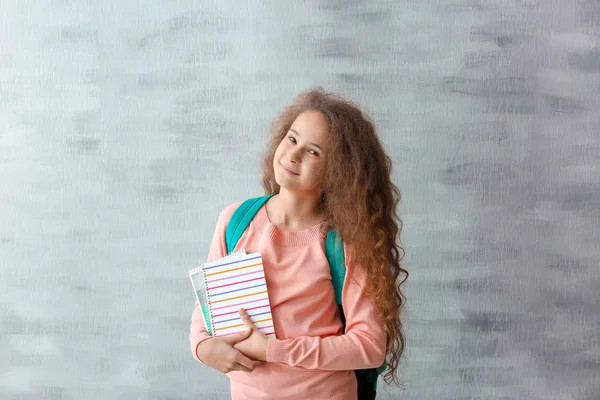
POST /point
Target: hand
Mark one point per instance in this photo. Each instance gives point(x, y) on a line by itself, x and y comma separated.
point(219, 353)
point(255, 346)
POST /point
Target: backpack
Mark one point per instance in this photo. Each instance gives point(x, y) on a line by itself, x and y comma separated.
point(334, 250)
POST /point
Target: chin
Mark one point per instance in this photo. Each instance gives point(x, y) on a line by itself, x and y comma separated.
point(284, 182)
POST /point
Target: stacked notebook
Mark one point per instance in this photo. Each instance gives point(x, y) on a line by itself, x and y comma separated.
point(225, 285)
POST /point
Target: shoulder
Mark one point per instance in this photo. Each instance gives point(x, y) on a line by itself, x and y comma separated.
point(355, 272)
point(228, 211)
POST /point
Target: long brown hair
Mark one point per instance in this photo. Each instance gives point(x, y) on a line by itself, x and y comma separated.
point(359, 201)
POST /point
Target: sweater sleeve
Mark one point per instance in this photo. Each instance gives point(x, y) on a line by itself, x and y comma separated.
point(218, 249)
point(362, 346)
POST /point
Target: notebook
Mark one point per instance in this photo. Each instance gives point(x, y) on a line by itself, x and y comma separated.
point(225, 285)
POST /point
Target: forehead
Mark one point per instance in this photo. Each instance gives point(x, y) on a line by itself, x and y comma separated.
point(311, 125)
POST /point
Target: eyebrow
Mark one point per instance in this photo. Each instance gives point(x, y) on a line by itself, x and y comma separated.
point(313, 143)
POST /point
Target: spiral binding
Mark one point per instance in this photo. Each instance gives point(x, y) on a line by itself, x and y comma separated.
point(201, 295)
point(208, 313)
point(207, 309)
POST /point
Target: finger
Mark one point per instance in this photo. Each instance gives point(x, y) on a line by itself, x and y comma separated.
point(246, 318)
point(238, 337)
point(245, 361)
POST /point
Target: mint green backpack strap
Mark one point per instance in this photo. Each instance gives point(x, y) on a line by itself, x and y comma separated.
point(334, 250)
point(235, 228)
point(241, 218)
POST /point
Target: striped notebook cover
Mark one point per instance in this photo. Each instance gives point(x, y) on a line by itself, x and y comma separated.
point(225, 285)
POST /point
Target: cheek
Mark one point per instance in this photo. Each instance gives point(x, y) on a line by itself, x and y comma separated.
point(277, 158)
point(279, 151)
point(276, 155)
point(319, 168)
point(316, 174)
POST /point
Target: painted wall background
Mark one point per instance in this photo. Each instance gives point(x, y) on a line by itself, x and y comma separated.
point(125, 127)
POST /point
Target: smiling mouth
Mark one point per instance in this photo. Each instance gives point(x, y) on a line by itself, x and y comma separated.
point(289, 171)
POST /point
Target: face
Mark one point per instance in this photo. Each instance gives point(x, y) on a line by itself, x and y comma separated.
point(300, 157)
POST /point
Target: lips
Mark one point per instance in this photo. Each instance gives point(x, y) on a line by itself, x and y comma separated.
point(289, 171)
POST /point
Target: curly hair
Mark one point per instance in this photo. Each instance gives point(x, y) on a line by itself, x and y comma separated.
point(359, 201)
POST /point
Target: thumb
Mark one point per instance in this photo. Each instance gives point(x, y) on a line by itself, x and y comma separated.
point(238, 337)
point(246, 318)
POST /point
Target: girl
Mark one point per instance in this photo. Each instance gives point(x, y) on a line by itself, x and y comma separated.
point(327, 169)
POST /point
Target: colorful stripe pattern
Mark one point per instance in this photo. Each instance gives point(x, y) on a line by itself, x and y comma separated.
point(234, 283)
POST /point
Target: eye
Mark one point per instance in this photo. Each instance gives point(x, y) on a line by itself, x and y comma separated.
point(313, 152)
point(292, 139)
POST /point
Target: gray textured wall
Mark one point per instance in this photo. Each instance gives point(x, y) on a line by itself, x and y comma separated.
point(125, 126)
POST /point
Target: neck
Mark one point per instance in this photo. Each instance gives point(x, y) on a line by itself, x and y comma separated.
point(296, 211)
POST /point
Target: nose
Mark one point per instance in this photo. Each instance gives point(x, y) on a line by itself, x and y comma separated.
point(294, 156)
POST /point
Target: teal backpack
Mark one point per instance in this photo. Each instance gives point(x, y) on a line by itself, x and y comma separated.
point(334, 250)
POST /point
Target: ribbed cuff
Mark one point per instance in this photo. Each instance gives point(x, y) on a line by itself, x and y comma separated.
point(278, 351)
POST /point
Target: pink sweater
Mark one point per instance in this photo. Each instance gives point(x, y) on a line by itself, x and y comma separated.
point(310, 357)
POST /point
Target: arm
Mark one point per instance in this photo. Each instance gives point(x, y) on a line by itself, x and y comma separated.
point(198, 332)
point(218, 249)
point(362, 346)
